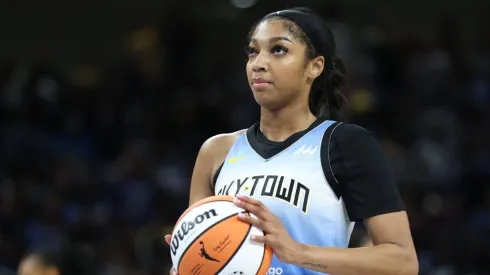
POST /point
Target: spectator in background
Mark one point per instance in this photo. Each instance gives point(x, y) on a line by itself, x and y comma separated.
point(66, 260)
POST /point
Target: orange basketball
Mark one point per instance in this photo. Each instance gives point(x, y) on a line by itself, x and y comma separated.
point(210, 239)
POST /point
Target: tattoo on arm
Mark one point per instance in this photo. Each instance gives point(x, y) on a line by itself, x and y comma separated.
point(316, 265)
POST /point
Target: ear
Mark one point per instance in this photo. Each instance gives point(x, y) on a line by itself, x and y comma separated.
point(315, 68)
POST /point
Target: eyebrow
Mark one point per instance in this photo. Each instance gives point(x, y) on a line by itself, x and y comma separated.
point(273, 39)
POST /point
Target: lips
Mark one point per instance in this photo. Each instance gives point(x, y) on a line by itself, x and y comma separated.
point(260, 81)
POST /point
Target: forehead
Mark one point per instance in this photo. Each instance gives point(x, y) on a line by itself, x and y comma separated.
point(271, 28)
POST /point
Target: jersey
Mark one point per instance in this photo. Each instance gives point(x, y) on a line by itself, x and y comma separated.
point(293, 186)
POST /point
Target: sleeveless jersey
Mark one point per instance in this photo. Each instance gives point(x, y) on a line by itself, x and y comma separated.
point(293, 186)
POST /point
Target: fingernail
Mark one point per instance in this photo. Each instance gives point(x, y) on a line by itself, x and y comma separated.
point(236, 200)
point(241, 215)
point(253, 237)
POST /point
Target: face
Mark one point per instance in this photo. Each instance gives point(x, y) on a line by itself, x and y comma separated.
point(33, 266)
point(277, 69)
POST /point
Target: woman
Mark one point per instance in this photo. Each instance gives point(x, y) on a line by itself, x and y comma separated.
point(68, 260)
point(306, 175)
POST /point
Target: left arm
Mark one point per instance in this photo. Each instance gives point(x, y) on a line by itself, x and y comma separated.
point(370, 193)
point(393, 251)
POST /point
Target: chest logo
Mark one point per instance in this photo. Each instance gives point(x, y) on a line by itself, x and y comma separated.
point(236, 159)
point(288, 190)
point(306, 150)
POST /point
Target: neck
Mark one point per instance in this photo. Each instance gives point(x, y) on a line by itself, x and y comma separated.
point(279, 125)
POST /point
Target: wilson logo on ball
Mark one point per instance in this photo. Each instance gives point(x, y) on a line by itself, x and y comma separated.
point(187, 226)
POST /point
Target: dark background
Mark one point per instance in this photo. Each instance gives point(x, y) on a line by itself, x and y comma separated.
point(104, 105)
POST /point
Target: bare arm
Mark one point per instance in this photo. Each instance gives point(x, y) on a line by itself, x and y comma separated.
point(201, 176)
point(211, 155)
point(393, 251)
point(370, 194)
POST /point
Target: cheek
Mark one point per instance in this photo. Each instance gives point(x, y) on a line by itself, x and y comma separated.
point(290, 74)
point(248, 70)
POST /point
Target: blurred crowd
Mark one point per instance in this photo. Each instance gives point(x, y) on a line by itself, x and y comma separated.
point(101, 156)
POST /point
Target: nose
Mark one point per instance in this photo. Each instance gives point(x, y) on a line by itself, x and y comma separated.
point(261, 62)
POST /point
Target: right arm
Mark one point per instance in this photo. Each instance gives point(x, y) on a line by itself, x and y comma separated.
point(201, 176)
point(210, 157)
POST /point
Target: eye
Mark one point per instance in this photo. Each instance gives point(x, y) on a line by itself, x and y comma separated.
point(278, 49)
point(250, 50)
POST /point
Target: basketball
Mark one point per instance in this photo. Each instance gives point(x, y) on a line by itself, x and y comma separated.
point(210, 239)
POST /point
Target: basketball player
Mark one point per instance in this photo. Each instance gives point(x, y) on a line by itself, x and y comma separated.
point(68, 260)
point(306, 175)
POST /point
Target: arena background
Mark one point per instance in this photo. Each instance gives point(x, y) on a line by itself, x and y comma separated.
point(104, 105)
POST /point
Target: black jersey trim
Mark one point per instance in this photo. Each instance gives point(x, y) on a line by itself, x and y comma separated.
point(256, 138)
point(325, 159)
point(215, 178)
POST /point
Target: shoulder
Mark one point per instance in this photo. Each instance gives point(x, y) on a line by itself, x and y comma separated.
point(212, 153)
point(342, 138)
point(209, 159)
point(345, 147)
point(360, 172)
point(346, 132)
point(215, 148)
point(350, 143)
point(347, 139)
point(221, 143)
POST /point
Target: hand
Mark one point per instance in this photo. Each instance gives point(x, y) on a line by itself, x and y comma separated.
point(275, 234)
point(168, 239)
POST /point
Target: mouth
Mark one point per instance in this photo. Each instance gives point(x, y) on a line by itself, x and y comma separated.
point(258, 83)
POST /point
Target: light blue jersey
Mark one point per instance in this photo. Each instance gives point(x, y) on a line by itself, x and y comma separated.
point(292, 184)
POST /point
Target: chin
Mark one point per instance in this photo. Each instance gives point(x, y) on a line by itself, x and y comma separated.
point(266, 101)
point(262, 97)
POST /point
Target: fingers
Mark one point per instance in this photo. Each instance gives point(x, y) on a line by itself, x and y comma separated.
point(251, 220)
point(253, 206)
point(248, 200)
point(259, 239)
point(168, 239)
point(257, 223)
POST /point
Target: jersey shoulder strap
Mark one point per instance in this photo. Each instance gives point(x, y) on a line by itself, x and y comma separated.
point(326, 160)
